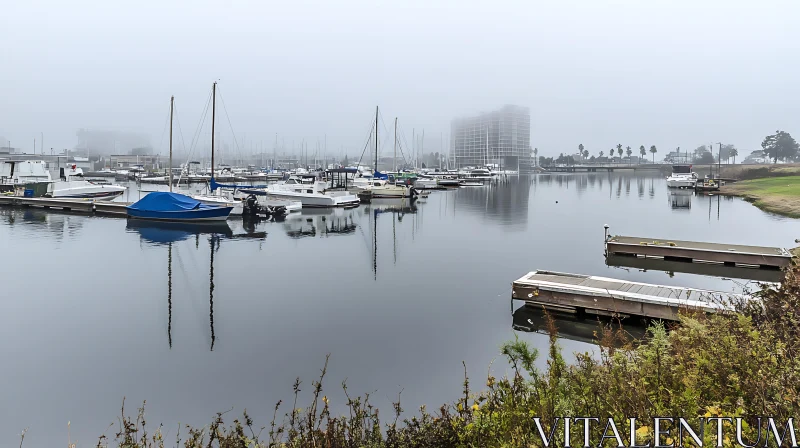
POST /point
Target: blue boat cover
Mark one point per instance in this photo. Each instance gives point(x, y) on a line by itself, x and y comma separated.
point(379, 175)
point(162, 201)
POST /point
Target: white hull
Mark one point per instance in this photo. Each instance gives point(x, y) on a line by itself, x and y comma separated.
point(315, 199)
point(85, 189)
point(681, 182)
point(238, 206)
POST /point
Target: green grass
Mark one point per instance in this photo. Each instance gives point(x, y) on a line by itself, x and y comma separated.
point(780, 195)
point(783, 186)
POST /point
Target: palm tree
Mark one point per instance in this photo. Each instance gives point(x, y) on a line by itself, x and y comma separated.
point(580, 149)
point(628, 151)
point(585, 153)
point(654, 151)
point(601, 154)
point(734, 152)
point(619, 151)
point(642, 152)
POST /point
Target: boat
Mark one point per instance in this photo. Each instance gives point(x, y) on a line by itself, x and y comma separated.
point(176, 207)
point(310, 194)
point(479, 175)
point(25, 177)
point(74, 185)
point(682, 177)
point(466, 182)
point(169, 206)
point(448, 182)
point(426, 183)
point(220, 200)
point(380, 186)
point(266, 200)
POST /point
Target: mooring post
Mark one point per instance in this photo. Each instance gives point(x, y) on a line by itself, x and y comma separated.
point(605, 239)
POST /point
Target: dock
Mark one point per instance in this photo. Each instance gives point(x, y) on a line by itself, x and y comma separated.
point(607, 296)
point(677, 250)
point(89, 206)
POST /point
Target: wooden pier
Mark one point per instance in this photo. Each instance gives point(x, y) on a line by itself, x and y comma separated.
point(729, 254)
point(608, 296)
point(90, 206)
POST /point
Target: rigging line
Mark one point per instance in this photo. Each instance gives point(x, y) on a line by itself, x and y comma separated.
point(196, 136)
point(366, 145)
point(235, 142)
point(164, 131)
point(183, 143)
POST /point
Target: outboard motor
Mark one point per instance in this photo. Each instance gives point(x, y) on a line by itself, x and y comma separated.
point(250, 206)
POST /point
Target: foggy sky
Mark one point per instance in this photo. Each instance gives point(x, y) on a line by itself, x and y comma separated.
point(666, 73)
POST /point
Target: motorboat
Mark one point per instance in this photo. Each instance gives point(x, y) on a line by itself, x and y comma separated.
point(72, 184)
point(470, 183)
point(265, 199)
point(426, 183)
point(682, 177)
point(25, 177)
point(448, 182)
point(220, 200)
point(167, 206)
point(479, 175)
point(311, 194)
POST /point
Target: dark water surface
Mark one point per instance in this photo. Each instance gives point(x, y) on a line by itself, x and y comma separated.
point(397, 297)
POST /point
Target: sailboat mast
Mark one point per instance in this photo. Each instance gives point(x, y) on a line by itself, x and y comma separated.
point(395, 145)
point(376, 139)
point(213, 122)
point(171, 110)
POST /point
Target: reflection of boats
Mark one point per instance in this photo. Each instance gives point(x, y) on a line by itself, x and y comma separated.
point(531, 318)
point(313, 222)
point(681, 199)
point(710, 269)
point(163, 232)
point(682, 177)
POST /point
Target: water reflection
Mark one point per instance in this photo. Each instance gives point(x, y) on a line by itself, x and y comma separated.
point(505, 201)
point(309, 223)
point(680, 199)
point(709, 269)
point(588, 329)
point(58, 223)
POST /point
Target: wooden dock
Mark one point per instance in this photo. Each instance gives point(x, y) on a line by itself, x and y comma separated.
point(89, 206)
point(730, 254)
point(608, 296)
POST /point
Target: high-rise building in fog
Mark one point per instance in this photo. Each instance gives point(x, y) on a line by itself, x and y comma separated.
point(501, 137)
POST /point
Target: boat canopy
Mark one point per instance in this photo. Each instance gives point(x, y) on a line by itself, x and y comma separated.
point(682, 169)
point(163, 201)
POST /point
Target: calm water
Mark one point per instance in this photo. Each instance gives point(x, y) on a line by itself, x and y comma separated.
point(398, 297)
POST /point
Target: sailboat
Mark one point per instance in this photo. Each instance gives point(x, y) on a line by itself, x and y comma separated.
point(379, 186)
point(169, 206)
point(217, 199)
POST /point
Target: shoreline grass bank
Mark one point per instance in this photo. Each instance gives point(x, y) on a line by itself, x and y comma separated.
point(780, 195)
point(743, 364)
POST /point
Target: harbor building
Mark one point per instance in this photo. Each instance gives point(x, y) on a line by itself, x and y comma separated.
point(501, 137)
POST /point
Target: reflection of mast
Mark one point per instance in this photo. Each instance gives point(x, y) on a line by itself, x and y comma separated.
point(375, 243)
point(169, 295)
point(211, 293)
point(394, 237)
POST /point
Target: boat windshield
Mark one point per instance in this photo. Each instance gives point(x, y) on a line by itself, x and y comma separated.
point(682, 169)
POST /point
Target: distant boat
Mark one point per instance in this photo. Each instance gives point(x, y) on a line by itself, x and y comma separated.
point(166, 206)
point(682, 177)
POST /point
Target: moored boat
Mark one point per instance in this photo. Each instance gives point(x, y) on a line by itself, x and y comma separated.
point(682, 177)
point(167, 206)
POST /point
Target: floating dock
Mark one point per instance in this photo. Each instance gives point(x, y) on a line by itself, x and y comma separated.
point(677, 250)
point(608, 296)
point(90, 206)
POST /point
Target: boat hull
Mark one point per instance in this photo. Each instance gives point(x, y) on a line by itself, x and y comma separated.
point(316, 201)
point(201, 215)
point(681, 183)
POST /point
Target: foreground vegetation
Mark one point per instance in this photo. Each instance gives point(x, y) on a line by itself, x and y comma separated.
point(743, 364)
point(779, 195)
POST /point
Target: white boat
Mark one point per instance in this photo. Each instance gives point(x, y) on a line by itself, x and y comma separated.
point(222, 201)
point(383, 189)
point(73, 185)
point(470, 183)
point(310, 194)
point(264, 199)
point(425, 183)
point(682, 177)
point(479, 175)
point(25, 175)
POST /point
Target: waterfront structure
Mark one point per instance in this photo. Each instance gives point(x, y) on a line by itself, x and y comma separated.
point(501, 137)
